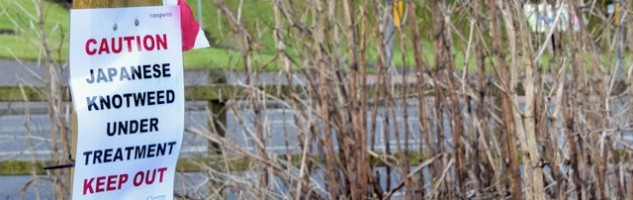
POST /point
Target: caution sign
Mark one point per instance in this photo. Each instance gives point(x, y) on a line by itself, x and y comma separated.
point(127, 88)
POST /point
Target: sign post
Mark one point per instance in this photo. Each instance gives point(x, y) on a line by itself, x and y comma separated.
point(127, 85)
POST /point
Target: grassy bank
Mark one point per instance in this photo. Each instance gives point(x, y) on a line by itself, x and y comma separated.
point(20, 39)
point(18, 23)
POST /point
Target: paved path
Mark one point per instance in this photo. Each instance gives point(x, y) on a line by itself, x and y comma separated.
point(14, 143)
point(280, 127)
point(32, 73)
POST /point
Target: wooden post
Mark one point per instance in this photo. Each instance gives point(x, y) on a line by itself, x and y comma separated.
point(217, 123)
point(218, 110)
point(218, 120)
point(83, 4)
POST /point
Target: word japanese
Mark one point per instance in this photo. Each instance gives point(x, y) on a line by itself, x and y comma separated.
point(146, 71)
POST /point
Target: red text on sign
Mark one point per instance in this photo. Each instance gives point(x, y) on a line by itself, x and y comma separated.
point(148, 177)
point(104, 183)
point(116, 182)
point(116, 45)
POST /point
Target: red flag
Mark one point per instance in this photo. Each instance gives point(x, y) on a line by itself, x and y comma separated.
point(189, 26)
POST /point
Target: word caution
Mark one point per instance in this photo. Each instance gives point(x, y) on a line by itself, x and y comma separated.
point(116, 45)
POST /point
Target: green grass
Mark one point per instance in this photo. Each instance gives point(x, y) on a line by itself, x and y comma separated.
point(20, 16)
point(14, 15)
point(257, 16)
point(220, 58)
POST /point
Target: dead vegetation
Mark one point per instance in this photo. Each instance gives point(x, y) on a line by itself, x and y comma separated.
point(560, 136)
point(462, 128)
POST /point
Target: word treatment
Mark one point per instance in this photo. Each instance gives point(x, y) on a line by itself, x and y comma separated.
point(128, 153)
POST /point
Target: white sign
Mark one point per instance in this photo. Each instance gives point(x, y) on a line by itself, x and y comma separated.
point(127, 88)
point(541, 17)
